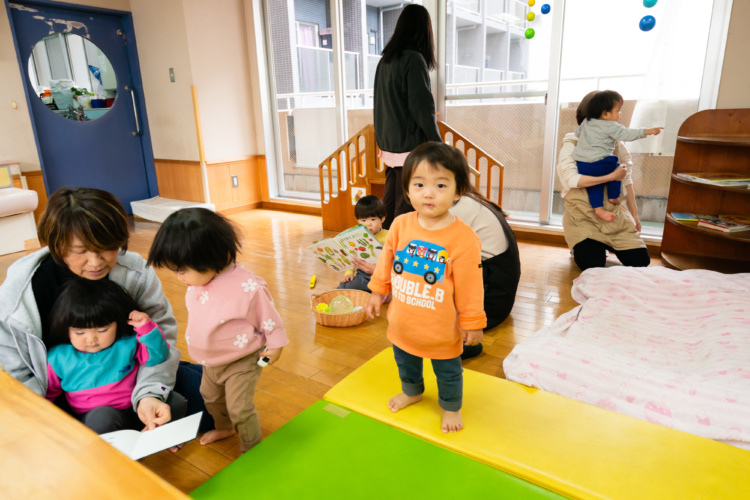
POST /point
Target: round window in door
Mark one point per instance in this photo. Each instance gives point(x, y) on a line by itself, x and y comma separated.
point(72, 77)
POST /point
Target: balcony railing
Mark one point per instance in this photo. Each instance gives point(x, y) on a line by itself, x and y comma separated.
point(315, 66)
point(514, 83)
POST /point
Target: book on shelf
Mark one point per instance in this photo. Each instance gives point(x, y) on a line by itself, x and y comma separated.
point(725, 179)
point(726, 223)
point(337, 252)
point(688, 217)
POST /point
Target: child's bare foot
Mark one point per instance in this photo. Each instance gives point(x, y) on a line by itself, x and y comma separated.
point(400, 401)
point(452, 421)
point(604, 214)
point(217, 435)
point(614, 201)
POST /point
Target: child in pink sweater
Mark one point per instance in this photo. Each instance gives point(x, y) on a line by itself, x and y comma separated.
point(231, 317)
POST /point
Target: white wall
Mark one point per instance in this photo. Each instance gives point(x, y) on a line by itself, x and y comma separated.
point(217, 43)
point(162, 40)
point(734, 89)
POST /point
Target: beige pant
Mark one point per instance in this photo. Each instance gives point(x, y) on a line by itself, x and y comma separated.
point(228, 393)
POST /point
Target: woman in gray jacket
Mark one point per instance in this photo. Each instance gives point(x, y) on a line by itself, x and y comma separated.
point(404, 110)
point(86, 233)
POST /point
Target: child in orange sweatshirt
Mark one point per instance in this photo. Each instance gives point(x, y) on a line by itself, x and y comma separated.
point(431, 262)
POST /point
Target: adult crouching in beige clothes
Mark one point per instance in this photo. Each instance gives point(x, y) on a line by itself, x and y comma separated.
point(588, 236)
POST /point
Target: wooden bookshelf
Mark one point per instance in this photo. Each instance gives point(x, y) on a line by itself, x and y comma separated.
point(710, 141)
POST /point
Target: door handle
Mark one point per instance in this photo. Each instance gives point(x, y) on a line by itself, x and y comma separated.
point(137, 130)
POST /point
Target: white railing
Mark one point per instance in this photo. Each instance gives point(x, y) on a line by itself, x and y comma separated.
point(366, 95)
point(315, 67)
point(469, 5)
point(518, 11)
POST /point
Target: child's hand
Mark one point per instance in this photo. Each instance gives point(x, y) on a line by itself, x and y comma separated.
point(347, 278)
point(619, 173)
point(472, 337)
point(137, 319)
point(373, 305)
point(637, 224)
point(272, 354)
point(653, 131)
point(363, 265)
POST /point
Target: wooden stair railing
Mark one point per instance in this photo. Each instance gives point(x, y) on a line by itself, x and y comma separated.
point(359, 157)
point(493, 192)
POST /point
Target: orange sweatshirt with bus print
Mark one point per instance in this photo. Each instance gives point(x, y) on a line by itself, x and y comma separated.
point(436, 280)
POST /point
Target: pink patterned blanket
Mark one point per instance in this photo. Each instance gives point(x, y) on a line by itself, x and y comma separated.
point(664, 346)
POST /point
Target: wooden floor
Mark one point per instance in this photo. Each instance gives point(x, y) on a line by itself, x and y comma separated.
point(319, 357)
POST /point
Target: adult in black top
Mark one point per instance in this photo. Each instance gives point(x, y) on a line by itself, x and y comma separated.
point(404, 109)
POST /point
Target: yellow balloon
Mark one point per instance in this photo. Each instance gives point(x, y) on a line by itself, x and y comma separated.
point(531, 3)
point(530, 16)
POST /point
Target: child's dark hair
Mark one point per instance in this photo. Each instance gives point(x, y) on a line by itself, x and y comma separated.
point(441, 154)
point(86, 303)
point(369, 206)
point(604, 100)
point(195, 238)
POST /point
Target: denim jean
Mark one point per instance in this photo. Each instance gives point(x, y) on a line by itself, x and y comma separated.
point(605, 166)
point(449, 375)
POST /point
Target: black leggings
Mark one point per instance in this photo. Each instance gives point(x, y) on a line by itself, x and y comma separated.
point(393, 196)
point(591, 253)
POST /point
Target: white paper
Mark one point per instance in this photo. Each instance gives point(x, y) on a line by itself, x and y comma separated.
point(137, 445)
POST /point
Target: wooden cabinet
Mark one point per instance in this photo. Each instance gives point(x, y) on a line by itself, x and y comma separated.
point(710, 141)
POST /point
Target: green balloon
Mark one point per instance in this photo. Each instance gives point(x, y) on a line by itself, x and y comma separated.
point(529, 33)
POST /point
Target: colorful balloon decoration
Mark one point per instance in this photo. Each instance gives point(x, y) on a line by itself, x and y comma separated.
point(546, 7)
point(531, 3)
point(529, 32)
point(530, 16)
point(647, 23)
point(649, 3)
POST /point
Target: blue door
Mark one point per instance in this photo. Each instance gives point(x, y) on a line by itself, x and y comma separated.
point(106, 152)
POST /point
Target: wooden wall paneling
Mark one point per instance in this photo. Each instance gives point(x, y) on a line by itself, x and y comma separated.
point(263, 178)
point(179, 180)
point(248, 190)
point(219, 184)
point(35, 181)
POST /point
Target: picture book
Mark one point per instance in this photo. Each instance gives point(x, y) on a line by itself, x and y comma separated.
point(683, 216)
point(726, 179)
point(337, 252)
point(136, 444)
point(726, 223)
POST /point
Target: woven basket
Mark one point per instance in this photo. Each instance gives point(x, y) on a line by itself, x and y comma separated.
point(358, 298)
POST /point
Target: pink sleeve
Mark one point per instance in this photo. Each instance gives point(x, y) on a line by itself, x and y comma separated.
point(264, 317)
point(152, 345)
point(54, 387)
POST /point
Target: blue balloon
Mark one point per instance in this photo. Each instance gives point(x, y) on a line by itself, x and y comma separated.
point(649, 3)
point(647, 23)
point(546, 7)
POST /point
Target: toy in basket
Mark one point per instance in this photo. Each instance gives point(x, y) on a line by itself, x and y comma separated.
point(358, 299)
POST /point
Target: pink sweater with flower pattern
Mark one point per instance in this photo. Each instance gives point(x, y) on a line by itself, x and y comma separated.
point(231, 317)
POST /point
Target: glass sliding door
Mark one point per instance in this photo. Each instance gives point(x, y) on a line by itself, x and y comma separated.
point(659, 74)
point(495, 88)
point(299, 43)
point(303, 88)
